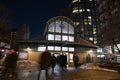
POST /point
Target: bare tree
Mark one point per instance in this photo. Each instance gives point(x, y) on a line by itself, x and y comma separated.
point(5, 23)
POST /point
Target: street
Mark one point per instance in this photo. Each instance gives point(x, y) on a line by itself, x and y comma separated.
point(70, 74)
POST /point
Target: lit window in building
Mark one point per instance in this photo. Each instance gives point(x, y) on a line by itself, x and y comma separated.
point(41, 48)
point(50, 47)
point(71, 38)
point(91, 38)
point(65, 27)
point(115, 48)
point(71, 29)
point(95, 42)
point(64, 48)
point(88, 10)
point(89, 17)
point(75, 1)
point(71, 57)
point(50, 37)
point(94, 29)
point(77, 23)
point(94, 32)
point(71, 49)
point(90, 23)
point(64, 38)
point(80, 10)
point(58, 28)
point(51, 27)
point(75, 10)
point(57, 48)
point(58, 37)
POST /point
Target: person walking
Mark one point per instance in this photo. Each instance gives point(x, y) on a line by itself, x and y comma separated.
point(75, 60)
point(10, 64)
point(54, 61)
point(45, 64)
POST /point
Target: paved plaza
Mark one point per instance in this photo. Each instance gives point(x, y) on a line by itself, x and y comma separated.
point(29, 71)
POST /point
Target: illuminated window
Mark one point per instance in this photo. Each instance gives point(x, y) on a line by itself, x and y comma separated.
point(83, 10)
point(91, 38)
point(51, 27)
point(75, 10)
point(71, 57)
point(58, 37)
point(71, 29)
point(115, 48)
point(90, 23)
point(94, 29)
point(76, 23)
point(88, 10)
point(50, 37)
point(94, 32)
point(71, 49)
point(80, 10)
point(71, 38)
point(57, 48)
point(74, 1)
point(50, 48)
point(64, 48)
point(95, 42)
point(89, 17)
point(65, 27)
point(64, 38)
point(41, 48)
point(58, 28)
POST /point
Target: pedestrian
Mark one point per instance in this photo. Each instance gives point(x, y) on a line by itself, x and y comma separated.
point(63, 61)
point(10, 63)
point(54, 61)
point(75, 60)
point(45, 64)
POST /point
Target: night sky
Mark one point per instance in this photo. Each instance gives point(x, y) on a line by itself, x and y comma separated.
point(34, 13)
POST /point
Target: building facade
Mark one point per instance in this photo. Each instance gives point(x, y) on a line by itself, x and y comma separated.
point(84, 13)
point(109, 27)
point(59, 39)
point(109, 22)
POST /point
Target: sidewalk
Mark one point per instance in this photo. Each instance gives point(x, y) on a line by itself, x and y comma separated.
point(94, 67)
point(29, 71)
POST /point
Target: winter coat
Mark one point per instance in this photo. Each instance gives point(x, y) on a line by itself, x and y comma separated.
point(45, 62)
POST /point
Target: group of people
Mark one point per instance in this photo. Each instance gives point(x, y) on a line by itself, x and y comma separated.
point(62, 61)
point(48, 61)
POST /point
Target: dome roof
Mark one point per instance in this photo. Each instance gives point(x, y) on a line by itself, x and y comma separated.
point(61, 18)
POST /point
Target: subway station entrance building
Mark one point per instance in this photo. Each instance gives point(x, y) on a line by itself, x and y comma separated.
point(59, 38)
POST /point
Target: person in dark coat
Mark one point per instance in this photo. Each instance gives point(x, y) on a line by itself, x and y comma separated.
point(10, 63)
point(54, 61)
point(45, 64)
point(76, 60)
point(63, 61)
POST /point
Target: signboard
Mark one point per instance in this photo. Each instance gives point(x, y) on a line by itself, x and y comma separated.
point(23, 55)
